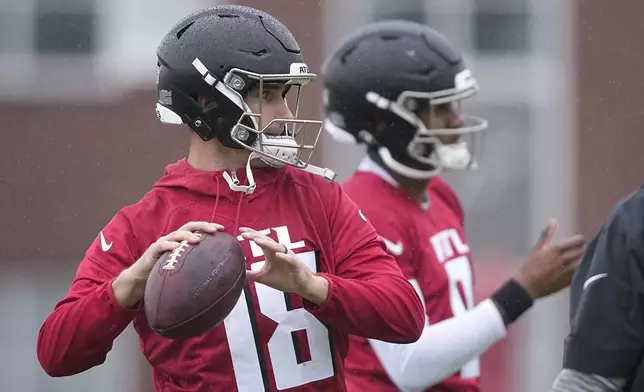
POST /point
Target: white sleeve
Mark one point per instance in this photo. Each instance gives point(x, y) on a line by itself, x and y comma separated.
point(442, 349)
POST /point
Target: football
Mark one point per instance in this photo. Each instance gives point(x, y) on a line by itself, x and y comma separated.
point(194, 287)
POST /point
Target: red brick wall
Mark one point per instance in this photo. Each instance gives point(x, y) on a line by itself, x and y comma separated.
point(610, 106)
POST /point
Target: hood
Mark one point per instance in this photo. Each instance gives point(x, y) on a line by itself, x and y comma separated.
point(212, 183)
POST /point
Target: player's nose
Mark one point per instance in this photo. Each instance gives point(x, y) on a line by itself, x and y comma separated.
point(453, 119)
point(285, 112)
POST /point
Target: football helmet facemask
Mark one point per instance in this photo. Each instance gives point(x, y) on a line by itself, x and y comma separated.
point(222, 54)
point(386, 86)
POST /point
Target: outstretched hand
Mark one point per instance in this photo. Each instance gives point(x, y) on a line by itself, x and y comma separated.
point(550, 267)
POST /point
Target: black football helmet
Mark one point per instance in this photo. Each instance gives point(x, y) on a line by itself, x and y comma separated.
point(379, 82)
point(220, 54)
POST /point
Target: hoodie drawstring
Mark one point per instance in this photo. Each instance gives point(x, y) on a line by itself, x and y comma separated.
point(214, 210)
point(234, 187)
point(239, 203)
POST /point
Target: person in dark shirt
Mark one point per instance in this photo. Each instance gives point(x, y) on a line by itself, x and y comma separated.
point(603, 352)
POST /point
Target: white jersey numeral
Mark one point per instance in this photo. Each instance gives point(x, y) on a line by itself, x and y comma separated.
point(282, 350)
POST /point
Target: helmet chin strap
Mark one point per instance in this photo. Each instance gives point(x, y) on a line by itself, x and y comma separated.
point(323, 172)
point(409, 172)
point(282, 147)
point(233, 182)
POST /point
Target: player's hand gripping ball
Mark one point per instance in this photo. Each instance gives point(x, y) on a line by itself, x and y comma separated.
point(193, 288)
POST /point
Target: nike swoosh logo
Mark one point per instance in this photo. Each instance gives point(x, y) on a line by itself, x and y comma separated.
point(104, 245)
point(395, 248)
point(593, 279)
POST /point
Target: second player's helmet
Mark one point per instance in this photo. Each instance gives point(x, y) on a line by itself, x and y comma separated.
point(380, 83)
point(219, 55)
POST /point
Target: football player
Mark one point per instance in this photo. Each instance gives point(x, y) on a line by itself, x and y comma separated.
point(603, 352)
point(395, 87)
point(317, 270)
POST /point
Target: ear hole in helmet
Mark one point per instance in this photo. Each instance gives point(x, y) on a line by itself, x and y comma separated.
point(205, 102)
point(347, 53)
point(183, 30)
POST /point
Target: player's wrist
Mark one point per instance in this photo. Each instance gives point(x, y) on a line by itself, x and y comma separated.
point(128, 289)
point(527, 284)
point(315, 289)
point(513, 300)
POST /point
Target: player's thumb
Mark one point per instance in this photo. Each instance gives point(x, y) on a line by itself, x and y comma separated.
point(252, 276)
point(547, 234)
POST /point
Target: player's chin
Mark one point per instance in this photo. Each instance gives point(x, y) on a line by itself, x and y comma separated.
point(259, 164)
point(266, 163)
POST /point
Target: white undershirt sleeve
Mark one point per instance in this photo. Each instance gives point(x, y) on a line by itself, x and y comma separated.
point(442, 349)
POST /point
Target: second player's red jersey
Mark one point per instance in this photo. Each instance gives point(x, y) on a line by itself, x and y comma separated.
point(428, 241)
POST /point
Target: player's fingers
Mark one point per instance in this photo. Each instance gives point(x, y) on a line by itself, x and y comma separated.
point(547, 234)
point(268, 244)
point(252, 235)
point(254, 276)
point(263, 241)
point(162, 246)
point(574, 266)
point(166, 245)
point(289, 258)
point(184, 235)
point(203, 226)
point(572, 256)
point(207, 227)
point(574, 242)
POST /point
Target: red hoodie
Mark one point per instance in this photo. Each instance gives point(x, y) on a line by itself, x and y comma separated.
point(270, 341)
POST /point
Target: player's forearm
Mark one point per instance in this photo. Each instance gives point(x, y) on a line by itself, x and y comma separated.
point(78, 334)
point(443, 348)
point(574, 381)
point(384, 308)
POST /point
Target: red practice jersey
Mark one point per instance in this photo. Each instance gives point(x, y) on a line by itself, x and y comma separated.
point(429, 244)
point(271, 341)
